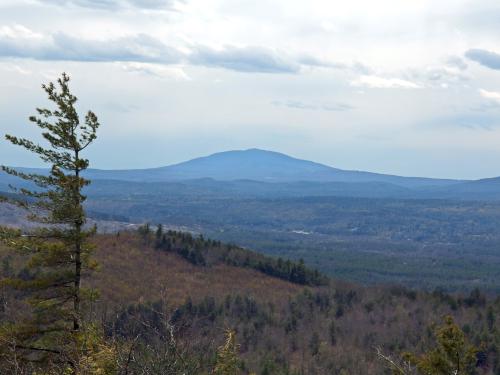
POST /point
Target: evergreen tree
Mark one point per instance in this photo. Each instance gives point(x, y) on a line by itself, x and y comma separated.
point(451, 355)
point(159, 232)
point(58, 251)
point(159, 236)
point(227, 357)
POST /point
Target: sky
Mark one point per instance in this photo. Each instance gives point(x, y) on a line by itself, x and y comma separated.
point(402, 87)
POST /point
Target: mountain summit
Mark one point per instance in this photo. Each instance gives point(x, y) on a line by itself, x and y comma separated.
point(259, 165)
point(251, 164)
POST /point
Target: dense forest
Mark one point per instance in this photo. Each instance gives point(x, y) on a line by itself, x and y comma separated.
point(202, 252)
point(150, 295)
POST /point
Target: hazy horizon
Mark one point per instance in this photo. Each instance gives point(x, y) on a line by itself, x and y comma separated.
point(403, 88)
point(234, 151)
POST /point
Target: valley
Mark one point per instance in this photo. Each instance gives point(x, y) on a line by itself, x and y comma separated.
point(422, 233)
point(362, 240)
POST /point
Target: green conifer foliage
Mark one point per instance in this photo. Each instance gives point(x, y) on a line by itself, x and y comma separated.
point(452, 355)
point(228, 362)
point(58, 251)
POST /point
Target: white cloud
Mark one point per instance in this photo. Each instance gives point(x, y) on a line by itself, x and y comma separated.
point(171, 72)
point(490, 95)
point(18, 32)
point(372, 81)
point(443, 76)
point(20, 42)
point(489, 59)
point(456, 62)
point(115, 4)
point(15, 69)
point(244, 59)
point(297, 104)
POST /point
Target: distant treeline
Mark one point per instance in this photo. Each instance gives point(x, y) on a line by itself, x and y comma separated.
point(97, 215)
point(203, 252)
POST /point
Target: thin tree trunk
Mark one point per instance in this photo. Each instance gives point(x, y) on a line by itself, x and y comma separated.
point(78, 249)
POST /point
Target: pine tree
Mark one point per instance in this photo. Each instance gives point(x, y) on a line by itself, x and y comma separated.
point(227, 357)
point(159, 232)
point(59, 251)
point(451, 355)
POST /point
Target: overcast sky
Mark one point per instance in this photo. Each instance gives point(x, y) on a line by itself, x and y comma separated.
point(404, 87)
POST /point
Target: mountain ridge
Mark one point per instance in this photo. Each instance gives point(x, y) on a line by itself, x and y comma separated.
point(257, 165)
point(278, 167)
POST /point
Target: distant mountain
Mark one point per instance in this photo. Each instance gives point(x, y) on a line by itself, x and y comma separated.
point(259, 165)
point(263, 173)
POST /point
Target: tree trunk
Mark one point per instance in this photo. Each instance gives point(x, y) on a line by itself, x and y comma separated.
point(78, 248)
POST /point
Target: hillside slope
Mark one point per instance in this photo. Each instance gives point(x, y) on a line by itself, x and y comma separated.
point(152, 274)
point(148, 287)
point(282, 327)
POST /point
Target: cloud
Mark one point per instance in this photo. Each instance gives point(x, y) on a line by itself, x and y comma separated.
point(443, 76)
point(116, 4)
point(484, 57)
point(361, 68)
point(337, 107)
point(372, 81)
point(139, 47)
point(491, 102)
point(18, 31)
point(16, 69)
point(155, 4)
point(452, 72)
point(264, 60)
point(95, 4)
point(456, 62)
point(296, 104)
point(313, 61)
point(172, 72)
point(490, 95)
point(243, 59)
point(20, 42)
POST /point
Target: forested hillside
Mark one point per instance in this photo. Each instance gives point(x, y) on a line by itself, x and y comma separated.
point(150, 282)
point(282, 326)
point(410, 242)
point(364, 240)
